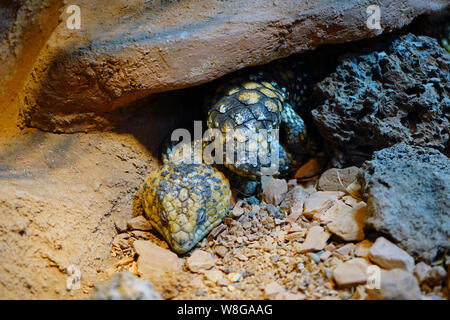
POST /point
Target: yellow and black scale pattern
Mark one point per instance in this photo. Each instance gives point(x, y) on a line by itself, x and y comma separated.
point(262, 100)
point(185, 201)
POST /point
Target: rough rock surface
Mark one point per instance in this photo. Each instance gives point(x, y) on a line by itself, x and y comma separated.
point(408, 197)
point(136, 48)
point(397, 92)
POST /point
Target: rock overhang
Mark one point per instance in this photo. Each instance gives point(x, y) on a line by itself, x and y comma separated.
point(126, 51)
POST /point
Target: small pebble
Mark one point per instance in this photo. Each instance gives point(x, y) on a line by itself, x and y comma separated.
point(221, 251)
point(315, 257)
point(252, 200)
point(274, 211)
point(234, 277)
point(228, 270)
point(200, 292)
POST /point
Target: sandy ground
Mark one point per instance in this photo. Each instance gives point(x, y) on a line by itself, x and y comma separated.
point(59, 197)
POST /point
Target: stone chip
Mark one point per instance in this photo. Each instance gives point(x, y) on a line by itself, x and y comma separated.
point(200, 260)
point(387, 255)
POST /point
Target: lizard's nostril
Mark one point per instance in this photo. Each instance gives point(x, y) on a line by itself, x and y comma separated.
point(180, 238)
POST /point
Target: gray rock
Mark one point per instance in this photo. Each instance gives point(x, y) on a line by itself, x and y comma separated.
point(399, 92)
point(274, 191)
point(407, 189)
point(125, 286)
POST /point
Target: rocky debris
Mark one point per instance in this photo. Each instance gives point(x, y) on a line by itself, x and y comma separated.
point(274, 291)
point(274, 191)
point(320, 201)
point(346, 251)
point(75, 84)
point(398, 92)
point(139, 223)
point(234, 276)
point(221, 251)
point(335, 179)
point(296, 213)
point(238, 210)
point(125, 286)
point(153, 261)
point(396, 284)
point(120, 221)
point(436, 276)
point(408, 197)
point(388, 256)
point(351, 273)
point(316, 240)
point(122, 244)
point(215, 276)
point(295, 198)
point(345, 221)
point(431, 276)
point(216, 231)
point(200, 260)
point(421, 271)
point(21, 41)
point(261, 253)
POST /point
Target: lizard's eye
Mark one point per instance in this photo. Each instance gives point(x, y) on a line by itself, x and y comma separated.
point(200, 215)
